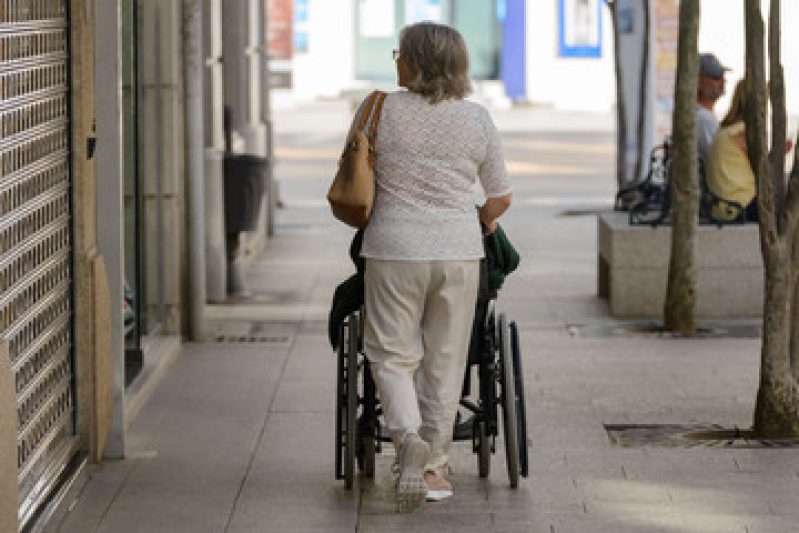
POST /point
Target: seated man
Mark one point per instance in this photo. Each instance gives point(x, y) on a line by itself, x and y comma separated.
point(709, 88)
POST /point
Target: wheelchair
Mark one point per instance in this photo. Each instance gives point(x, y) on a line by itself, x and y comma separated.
point(494, 352)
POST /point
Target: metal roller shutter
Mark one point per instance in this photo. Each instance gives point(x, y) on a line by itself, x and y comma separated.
point(35, 237)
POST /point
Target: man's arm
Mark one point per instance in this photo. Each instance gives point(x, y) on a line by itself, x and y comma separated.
point(705, 131)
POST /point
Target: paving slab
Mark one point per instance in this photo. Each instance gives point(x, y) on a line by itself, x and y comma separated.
point(239, 437)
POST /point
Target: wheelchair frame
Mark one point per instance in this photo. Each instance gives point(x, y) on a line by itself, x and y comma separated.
point(360, 433)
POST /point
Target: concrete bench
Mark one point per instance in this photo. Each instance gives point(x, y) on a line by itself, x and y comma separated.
point(633, 263)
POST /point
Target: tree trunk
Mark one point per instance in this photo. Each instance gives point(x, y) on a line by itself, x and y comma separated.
point(643, 93)
point(679, 313)
point(621, 108)
point(777, 406)
point(795, 274)
point(794, 340)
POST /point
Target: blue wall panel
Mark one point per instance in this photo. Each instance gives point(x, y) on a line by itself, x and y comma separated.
point(514, 71)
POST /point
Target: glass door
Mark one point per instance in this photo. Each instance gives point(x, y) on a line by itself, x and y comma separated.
point(378, 23)
point(143, 177)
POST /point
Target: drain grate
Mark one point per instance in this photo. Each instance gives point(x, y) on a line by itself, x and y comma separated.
point(250, 332)
point(655, 330)
point(689, 436)
point(252, 339)
point(582, 212)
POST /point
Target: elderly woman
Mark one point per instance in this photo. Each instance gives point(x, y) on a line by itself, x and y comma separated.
point(422, 248)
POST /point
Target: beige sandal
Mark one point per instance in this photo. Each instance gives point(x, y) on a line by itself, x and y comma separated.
point(438, 488)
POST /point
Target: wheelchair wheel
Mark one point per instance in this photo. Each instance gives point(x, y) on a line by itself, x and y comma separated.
point(521, 411)
point(341, 401)
point(508, 400)
point(483, 450)
point(352, 400)
point(347, 401)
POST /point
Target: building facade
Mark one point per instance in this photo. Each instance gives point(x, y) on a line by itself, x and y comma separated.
point(55, 371)
point(525, 51)
point(555, 46)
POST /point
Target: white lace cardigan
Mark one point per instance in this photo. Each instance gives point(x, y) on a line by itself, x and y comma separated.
point(428, 159)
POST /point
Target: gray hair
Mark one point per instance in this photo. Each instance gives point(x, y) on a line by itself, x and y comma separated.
point(437, 61)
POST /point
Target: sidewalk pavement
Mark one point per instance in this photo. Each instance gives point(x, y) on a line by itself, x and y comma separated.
point(239, 434)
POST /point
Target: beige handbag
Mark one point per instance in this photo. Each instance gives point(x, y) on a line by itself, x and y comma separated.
point(353, 189)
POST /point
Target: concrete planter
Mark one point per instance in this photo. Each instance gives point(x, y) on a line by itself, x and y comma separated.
point(633, 261)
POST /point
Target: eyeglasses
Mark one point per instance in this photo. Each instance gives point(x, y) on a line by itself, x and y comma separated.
point(395, 54)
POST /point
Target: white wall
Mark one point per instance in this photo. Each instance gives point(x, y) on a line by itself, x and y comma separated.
point(726, 40)
point(589, 84)
point(566, 83)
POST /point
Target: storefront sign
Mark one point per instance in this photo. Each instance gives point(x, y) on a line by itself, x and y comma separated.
point(280, 42)
point(279, 30)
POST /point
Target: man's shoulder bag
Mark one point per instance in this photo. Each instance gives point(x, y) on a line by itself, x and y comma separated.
point(353, 189)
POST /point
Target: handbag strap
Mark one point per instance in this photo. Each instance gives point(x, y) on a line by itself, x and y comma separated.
point(378, 107)
point(373, 108)
point(370, 104)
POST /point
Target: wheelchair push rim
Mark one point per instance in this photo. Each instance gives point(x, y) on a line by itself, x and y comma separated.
point(508, 402)
point(521, 408)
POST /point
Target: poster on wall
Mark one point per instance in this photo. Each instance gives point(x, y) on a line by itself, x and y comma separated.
point(667, 33)
point(580, 28)
point(376, 18)
point(420, 10)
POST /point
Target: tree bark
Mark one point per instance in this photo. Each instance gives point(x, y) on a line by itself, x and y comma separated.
point(777, 406)
point(777, 93)
point(621, 107)
point(792, 192)
point(679, 313)
point(643, 93)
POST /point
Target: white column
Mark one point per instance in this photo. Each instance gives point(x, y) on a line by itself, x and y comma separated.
point(216, 276)
point(242, 32)
point(631, 48)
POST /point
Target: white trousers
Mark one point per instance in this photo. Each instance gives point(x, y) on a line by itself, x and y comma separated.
point(418, 326)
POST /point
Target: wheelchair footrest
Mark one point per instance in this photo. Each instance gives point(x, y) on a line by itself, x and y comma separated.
point(464, 430)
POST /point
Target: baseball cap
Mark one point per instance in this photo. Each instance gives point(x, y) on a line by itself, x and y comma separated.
point(709, 65)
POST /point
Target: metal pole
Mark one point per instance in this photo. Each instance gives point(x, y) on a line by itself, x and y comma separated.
point(266, 119)
point(195, 163)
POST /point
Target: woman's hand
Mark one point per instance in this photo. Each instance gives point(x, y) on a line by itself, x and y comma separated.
point(491, 210)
